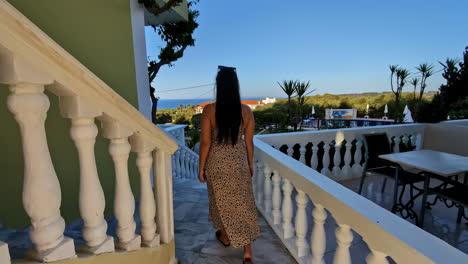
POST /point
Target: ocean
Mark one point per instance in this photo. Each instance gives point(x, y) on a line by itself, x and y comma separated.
point(174, 103)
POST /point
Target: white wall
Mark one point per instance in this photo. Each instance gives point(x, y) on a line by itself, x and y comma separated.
point(139, 50)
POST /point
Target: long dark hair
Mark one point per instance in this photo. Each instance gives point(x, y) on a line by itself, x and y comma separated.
point(228, 105)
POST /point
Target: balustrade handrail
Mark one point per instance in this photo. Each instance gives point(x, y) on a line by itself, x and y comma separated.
point(355, 130)
point(382, 230)
point(24, 39)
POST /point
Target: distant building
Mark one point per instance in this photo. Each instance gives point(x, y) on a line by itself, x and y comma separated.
point(251, 103)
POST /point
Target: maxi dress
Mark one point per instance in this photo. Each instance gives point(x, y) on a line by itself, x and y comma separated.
point(230, 192)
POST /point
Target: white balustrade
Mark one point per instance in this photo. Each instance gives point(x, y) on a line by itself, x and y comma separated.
point(302, 151)
point(314, 161)
point(376, 257)
point(336, 172)
point(276, 198)
point(301, 224)
point(352, 213)
point(318, 238)
point(124, 202)
point(41, 188)
point(357, 167)
point(163, 189)
point(287, 210)
point(32, 62)
point(267, 191)
point(92, 202)
point(326, 159)
point(346, 171)
point(179, 163)
point(147, 209)
point(344, 237)
point(396, 147)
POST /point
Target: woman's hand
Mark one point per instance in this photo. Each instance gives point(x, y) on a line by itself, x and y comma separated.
point(201, 176)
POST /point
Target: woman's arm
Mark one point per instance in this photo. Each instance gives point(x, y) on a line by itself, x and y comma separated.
point(205, 141)
point(249, 133)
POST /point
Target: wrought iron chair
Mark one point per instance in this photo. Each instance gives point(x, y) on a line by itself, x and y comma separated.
point(378, 144)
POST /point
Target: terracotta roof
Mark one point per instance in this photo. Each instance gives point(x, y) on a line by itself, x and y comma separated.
point(247, 102)
point(204, 104)
point(251, 102)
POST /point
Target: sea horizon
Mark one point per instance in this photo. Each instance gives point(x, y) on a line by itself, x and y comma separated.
point(174, 103)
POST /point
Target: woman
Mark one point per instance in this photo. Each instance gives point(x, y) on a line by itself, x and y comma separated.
point(226, 164)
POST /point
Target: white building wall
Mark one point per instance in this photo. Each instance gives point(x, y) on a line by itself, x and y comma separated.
point(139, 50)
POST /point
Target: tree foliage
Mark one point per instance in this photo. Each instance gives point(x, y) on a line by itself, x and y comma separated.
point(176, 36)
point(452, 99)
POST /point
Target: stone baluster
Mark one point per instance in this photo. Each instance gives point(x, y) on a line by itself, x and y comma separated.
point(290, 150)
point(179, 163)
point(4, 253)
point(357, 167)
point(418, 141)
point(376, 257)
point(314, 162)
point(163, 194)
point(405, 139)
point(336, 172)
point(326, 159)
point(144, 162)
point(346, 170)
point(318, 238)
point(267, 191)
point(41, 188)
point(287, 210)
point(170, 195)
point(276, 198)
point(194, 166)
point(183, 171)
point(302, 151)
point(301, 224)
point(344, 237)
point(188, 164)
point(396, 147)
point(259, 185)
point(124, 202)
point(92, 202)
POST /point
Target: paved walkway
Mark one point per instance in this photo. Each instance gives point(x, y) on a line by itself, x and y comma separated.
point(194, 234)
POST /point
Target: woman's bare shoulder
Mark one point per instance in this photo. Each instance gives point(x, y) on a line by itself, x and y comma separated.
point(209, 108)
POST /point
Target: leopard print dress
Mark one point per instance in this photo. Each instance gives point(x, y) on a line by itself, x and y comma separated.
point(232, 204)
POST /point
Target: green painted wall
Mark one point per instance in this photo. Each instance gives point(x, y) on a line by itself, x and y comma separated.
point(98, 34)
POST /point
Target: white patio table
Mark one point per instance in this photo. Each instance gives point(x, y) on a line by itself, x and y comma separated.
point(431, 163)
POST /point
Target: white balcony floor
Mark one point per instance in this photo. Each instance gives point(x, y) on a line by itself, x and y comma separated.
point(439, 221)
point(195, 236)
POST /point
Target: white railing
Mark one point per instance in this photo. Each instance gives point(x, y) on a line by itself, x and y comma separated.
point(184, 161)
point(31, 62)
point(297, 200)
point(339, 153)
point(176, 131)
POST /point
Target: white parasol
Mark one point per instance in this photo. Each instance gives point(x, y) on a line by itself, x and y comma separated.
point(407, 115)
point(386, 109)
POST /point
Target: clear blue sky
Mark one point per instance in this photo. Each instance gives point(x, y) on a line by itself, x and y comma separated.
point(340, 46)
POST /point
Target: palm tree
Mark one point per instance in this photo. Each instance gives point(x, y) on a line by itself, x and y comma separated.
point(301, 89)
point(393, 69)
point(414, 82)
point(289, 89)
point(426, 71)
point(401, 78)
